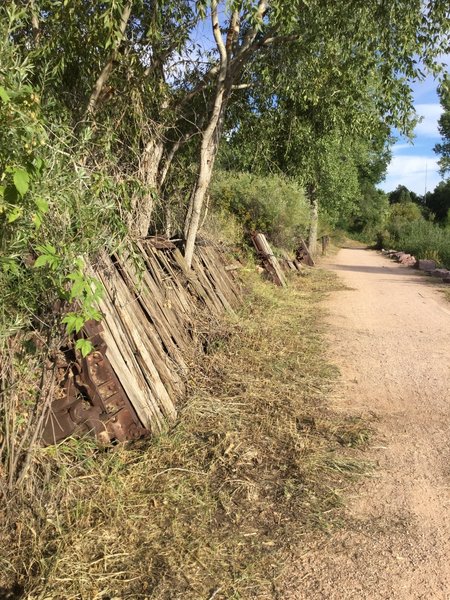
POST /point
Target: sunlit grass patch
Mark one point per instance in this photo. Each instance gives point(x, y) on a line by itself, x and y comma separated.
point(218, 505)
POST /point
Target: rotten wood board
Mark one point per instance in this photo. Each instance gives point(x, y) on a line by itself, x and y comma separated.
point(220, 285)
point(127, 369)
point(169, 325)
point(141, 381)
point(270, 261)
point(217, 298)
point(145, 337)
point(303, 256)
point(218, 267)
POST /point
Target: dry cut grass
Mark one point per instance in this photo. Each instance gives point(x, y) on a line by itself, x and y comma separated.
point(446, 293)
point(216, 507)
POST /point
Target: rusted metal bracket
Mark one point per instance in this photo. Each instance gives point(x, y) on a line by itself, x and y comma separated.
point(303, 256)
point(91, 398)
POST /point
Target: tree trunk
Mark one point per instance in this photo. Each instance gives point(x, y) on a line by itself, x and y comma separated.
point(211, 135)
point(142, 207)
point(314, 205)
point(107, 69)
point(207, 157)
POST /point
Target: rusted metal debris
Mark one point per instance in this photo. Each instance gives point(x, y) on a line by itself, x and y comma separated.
point(303, 256)
point(91, 398)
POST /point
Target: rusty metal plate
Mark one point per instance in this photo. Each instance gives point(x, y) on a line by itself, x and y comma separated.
point(91, 399)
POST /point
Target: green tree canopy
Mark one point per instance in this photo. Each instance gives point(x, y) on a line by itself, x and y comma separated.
point(438, 201)
point(443, 148)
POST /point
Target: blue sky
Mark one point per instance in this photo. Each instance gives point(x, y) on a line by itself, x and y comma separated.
point(415, 164)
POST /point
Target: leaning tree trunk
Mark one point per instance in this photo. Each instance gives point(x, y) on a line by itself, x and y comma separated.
point(232, 59)
point(208, 154)
point(142, 207)
point(314, 224)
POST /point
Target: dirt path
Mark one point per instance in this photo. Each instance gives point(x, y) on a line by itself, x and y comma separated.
point(391, 339)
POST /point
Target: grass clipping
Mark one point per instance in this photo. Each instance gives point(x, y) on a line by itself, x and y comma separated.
point(217, 506)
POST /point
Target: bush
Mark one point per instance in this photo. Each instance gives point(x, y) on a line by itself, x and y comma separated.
point(426, 240)
point(271, 204)
point(399, 217)
point(407, 230)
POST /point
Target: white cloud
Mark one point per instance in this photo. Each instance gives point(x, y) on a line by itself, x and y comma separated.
point(429, 126)
point(399, 146)
point(414, 172)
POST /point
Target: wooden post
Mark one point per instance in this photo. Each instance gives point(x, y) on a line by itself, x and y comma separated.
point(270, 261)
point(325, 239)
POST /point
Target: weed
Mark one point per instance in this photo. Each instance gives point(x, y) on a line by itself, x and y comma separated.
point(216, 507)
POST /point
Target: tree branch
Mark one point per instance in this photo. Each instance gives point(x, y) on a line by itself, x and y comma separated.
point(216, 32)
point(35, 25)
point(241, 86)
point(233, 33)
point(107, 69)
point(252, 33)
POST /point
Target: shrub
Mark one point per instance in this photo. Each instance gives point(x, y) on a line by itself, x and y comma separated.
point(426, 240)
point(399, 217)
point(407, 230)
point(272, 204)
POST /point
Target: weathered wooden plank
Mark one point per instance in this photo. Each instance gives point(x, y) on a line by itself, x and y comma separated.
point(136, 389)
point(221, 270)
point(211, 292)
point(303, 256)
point(145, 337)
point(193, 280)
point(133, 344)
point(221, 283)
point(126, 367)
point(270, 260)
point(171, 309)
point(160, 267)
point(151, 300)
point(176, 283)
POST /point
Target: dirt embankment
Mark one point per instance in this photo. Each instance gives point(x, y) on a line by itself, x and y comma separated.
point(390, 336)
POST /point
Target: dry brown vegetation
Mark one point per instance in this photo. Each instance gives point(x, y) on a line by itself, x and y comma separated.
point(216, 507)
point(446, 293)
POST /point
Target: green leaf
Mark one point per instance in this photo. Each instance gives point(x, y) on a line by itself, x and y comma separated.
point(41, 204)
point(9, 265)
point(14, 214)
point(46, 249)
point(79, 322)
point(77, 289)
point(42, 260)
point(4, 95)
point(21, 181)
point(38, 164)
point(84, 346)
point(70, 321)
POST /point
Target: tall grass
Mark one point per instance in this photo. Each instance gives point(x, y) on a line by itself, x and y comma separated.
point(216, 507)
point(426, 240)
point(423, 239)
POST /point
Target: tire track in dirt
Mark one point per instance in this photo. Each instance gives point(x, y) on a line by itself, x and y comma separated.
point(390, 337)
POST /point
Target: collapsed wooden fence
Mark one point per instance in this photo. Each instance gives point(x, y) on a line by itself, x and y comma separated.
point(132, 382)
